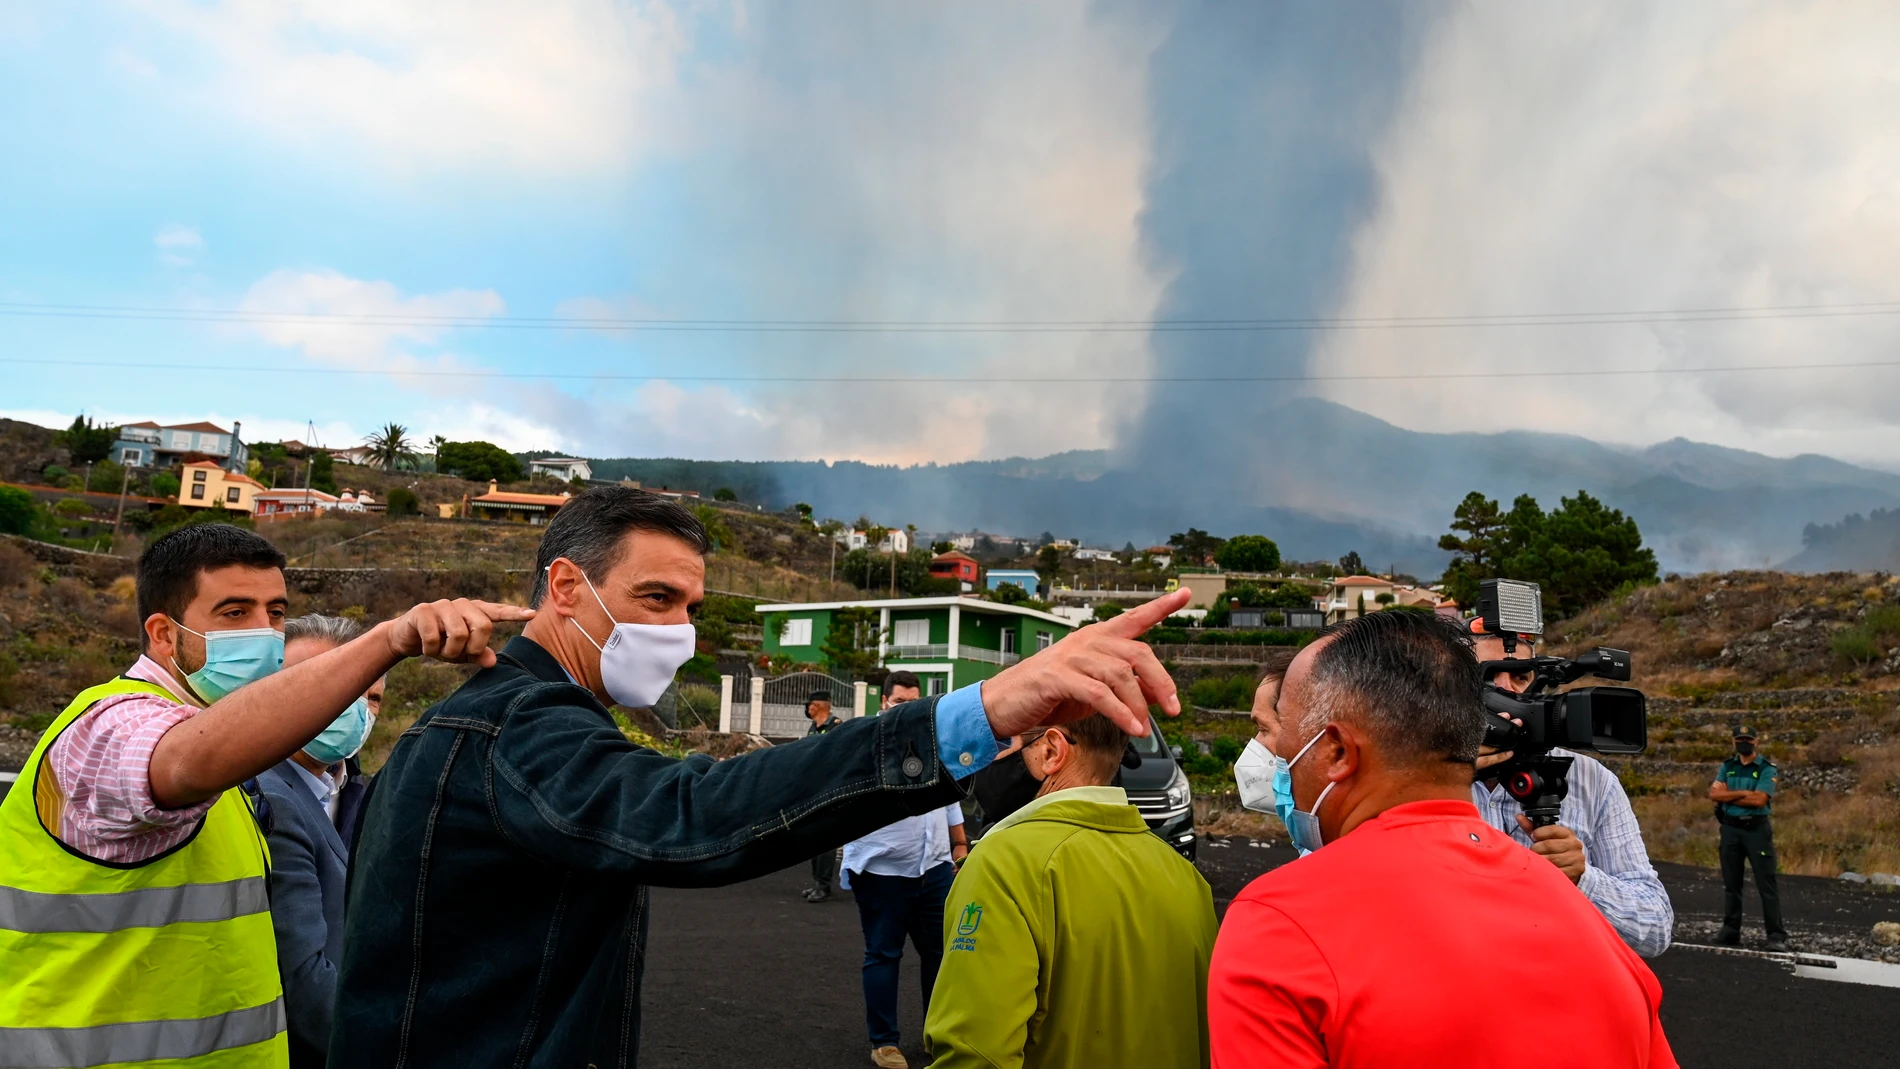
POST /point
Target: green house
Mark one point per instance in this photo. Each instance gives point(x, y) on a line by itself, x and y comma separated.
point(949, 642)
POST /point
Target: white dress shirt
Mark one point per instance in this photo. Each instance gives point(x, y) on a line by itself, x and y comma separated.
point(327, 788)
point(910, 847)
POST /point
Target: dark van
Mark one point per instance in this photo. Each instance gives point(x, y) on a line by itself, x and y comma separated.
point(1159, 788)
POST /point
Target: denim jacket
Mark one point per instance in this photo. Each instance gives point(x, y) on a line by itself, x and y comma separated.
point(497, 901)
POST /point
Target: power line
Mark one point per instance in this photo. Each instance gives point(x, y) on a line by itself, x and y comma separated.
point(1050, 326)
point(955, 379)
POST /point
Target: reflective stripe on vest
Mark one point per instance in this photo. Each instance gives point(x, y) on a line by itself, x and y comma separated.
point(150, 907)
point(170, 960)
point(138, 1041)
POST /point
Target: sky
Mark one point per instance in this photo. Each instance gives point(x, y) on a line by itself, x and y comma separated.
point(339, 215)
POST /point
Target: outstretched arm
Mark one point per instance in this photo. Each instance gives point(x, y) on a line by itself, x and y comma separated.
point(258, 725)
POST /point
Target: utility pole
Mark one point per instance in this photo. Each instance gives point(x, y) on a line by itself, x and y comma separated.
point(120, 515)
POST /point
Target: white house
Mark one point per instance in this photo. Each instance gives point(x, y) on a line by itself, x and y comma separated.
point(897, 540)
point(1095, 554)
point(562, 468)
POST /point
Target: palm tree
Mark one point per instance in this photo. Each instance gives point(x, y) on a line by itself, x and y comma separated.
point(435, 451)
point(390, 446)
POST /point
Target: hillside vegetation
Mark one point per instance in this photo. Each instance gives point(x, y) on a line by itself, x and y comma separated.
point(1811, 662)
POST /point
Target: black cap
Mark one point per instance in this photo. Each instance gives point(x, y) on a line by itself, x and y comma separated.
point(1742, 731)
point(818, 696)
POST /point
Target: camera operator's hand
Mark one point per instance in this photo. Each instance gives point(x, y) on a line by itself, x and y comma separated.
point(1557, 843)
point(1490, 756)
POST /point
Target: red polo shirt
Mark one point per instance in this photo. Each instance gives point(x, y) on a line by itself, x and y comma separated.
point(1425, 937)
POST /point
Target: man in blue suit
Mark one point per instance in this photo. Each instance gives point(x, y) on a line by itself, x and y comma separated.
point(307, 795)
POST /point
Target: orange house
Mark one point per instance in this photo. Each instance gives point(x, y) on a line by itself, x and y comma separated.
point(203, 484)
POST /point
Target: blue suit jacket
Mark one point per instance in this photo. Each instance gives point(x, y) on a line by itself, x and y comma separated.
point(309, 864)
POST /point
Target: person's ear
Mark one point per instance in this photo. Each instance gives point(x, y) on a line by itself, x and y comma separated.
point(1057, 753)
point(567, 586)
point(1342, 751)
point(161, 638)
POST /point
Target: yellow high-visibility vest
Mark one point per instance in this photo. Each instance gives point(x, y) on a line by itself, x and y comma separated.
point(104, 964)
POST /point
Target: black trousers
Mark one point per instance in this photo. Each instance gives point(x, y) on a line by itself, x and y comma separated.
point(1751, 846)
point(823, 868)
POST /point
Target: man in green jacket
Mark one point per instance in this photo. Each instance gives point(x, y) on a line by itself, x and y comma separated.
point(1073, 937)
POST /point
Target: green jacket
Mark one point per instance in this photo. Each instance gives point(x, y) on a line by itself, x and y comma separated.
point(1073, 937)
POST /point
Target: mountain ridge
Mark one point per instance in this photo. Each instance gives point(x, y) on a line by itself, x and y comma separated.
point(1325, 479)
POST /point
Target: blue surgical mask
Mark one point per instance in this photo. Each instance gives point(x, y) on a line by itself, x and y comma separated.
point(1302, 825)
point(234, 658)
point(345, 734)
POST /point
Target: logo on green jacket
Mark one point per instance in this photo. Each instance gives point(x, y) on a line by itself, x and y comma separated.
point(968, 920)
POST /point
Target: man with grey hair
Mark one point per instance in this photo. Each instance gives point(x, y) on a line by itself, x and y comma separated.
point(304, 797)
point(499, 891)
point(1364, 951)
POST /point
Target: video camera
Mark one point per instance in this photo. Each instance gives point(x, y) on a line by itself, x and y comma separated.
point(1611, 720)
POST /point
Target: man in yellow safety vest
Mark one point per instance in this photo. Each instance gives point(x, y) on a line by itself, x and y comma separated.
point(134, 920)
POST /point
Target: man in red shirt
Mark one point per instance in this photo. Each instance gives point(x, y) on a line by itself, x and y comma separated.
point(1364, 953)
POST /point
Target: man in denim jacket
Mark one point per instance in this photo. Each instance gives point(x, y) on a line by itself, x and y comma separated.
point(498, 904)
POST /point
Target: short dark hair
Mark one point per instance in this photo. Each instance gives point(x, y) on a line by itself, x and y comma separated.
point(1275, 663)
point(1408, 677)
point(901, 678)
point(168, 570)
point(1100, 742)
point(591, 529)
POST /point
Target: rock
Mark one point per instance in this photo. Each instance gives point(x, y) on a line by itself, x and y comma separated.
point(1853, 877)
point(1887, 933)
point(1884, 879)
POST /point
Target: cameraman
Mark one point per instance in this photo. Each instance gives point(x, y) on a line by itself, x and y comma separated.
point(1596, 841)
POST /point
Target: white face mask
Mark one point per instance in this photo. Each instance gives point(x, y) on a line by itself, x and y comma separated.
point(638, 661)
point(1253, 774)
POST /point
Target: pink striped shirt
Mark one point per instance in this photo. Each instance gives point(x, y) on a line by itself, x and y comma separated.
point(102, 764)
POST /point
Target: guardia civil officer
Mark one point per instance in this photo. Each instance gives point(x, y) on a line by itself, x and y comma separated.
point(825, 865)
point(1743, 793)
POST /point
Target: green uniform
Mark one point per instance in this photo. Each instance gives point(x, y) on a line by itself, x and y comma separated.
point(1748, 839)
point(1073, 937)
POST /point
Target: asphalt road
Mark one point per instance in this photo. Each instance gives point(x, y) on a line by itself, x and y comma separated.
point(753, 976)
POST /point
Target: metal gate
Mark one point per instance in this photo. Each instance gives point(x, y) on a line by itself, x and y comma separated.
point(785, 697)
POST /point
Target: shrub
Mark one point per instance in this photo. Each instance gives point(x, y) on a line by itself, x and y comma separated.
point(107, 478)
point(16, 510)
point(1229, 692)
point(164, 484)
point(72, 508)
point(16, 566)
point(1856, 644)
point(53, 474)
point(402, 501)
point(1228, 748)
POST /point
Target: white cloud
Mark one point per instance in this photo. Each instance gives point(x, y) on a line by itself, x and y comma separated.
point(178, 245)
point(554, 87)
point(1582, 158)
point(352, 322)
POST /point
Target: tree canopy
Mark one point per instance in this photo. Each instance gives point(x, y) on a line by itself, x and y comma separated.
point(1350, 564)
point(1248, 553)
point(478, 461)
point(1580, 553)
point(88, 443)
point(1196, 545)
point(391, 446)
